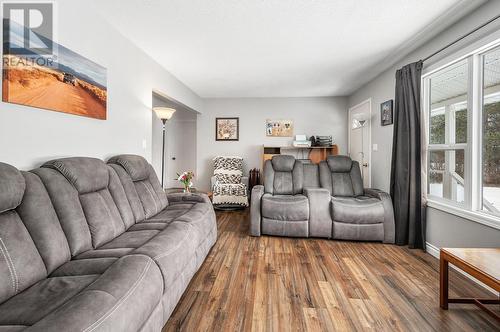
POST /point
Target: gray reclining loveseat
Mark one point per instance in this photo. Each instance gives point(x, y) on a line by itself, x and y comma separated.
point(326, 200)
point(86, 246)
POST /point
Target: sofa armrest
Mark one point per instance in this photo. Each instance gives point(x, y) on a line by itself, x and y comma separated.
point(389, 223)
point(187, 197)
point(255, 215)
point(320, 220)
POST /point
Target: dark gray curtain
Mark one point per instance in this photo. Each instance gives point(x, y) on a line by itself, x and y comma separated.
point(406, 166)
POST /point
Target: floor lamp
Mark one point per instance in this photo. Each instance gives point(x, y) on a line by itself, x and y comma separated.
point(164, 114)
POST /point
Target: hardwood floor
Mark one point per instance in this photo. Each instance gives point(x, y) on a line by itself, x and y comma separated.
point(282, 284)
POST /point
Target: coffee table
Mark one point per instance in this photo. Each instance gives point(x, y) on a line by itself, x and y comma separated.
point(481, 263)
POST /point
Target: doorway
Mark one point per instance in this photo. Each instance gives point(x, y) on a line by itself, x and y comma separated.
point(360, 138)
point(180, 141)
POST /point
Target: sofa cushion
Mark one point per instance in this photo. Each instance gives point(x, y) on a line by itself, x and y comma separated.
point(130, 239)
point(283, 183)
point(311, 176)
point(33, 304)
point(341, 176)
point(66, 202)
point(339, 164)
point(105, 253)
point(283, 163)
point(135, 166)
point(357, 210)
point(285, 227)
point(196, 213)
point(144, 226)
point(32, 243)
point(40, 219)
point(358, 232)
point(130, 192)
point(20, 263)
point(152, 197)
point(85, 174)
point(178, 206)
point(121, 299)
point(285, 207)
point(13, 185)
point(172, 249)
point(81, 267)
point(283, 175)
point(102, 216)
point(87, 203)
point(170, 213)
point(179, 198)
point(342, 185)
point(142, 187)
point(178, 245)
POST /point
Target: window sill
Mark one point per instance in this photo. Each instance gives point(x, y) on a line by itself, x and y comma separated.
point(479, 217)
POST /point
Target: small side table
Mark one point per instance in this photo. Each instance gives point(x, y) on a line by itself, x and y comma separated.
point(481, 263)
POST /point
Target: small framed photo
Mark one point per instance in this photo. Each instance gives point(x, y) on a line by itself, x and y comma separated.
point(279, 128)
point(386, 115)
point(227, 129)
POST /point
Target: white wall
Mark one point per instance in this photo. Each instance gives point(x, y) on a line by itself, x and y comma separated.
point(312, 116)
point(30, 136)
point(443, 229)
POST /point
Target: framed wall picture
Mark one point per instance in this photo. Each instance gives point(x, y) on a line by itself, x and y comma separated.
point(386, 115)
point(227, 129)
point(61, 81)
point(279, 128)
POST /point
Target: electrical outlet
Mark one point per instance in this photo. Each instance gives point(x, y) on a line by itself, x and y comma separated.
point(375, 147)
point(144, 144)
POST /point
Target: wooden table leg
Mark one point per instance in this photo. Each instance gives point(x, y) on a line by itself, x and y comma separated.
point(443, 289)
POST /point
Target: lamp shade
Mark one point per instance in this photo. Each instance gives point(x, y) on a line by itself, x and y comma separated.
point(164, 113)
point(358, 123)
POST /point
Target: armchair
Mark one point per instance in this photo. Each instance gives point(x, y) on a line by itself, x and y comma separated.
point(228, 185)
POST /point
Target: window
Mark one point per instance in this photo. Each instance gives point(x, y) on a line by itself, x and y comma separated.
point(461, 102)
point(448, 132)
point(491, 132)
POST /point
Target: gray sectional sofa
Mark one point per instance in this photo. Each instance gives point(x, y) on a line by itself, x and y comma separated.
point(326, 200)
point(90, 246)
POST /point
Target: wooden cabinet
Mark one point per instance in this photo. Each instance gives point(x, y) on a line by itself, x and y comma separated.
point(314, 153)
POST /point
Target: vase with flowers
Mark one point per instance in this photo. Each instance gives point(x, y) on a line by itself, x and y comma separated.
point(186, 180)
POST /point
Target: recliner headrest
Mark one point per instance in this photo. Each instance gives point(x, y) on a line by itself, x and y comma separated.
point(84, 173)
point(136, 166)
point(283, 163)
point(339, 164)
point(12, 187)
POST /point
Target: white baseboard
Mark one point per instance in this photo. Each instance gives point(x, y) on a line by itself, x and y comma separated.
point(434, 251)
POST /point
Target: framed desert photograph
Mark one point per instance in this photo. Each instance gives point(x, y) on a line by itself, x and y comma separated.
point(63, 81)
point(386, 116)
point(227, 129)
point(279, 128)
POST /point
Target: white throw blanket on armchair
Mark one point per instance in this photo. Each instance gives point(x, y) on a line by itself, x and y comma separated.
point(228, 187)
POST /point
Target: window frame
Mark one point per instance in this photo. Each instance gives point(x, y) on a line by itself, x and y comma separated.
point(472, 207)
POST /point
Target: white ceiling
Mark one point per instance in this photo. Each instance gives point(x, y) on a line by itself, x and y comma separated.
point(278, 48)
